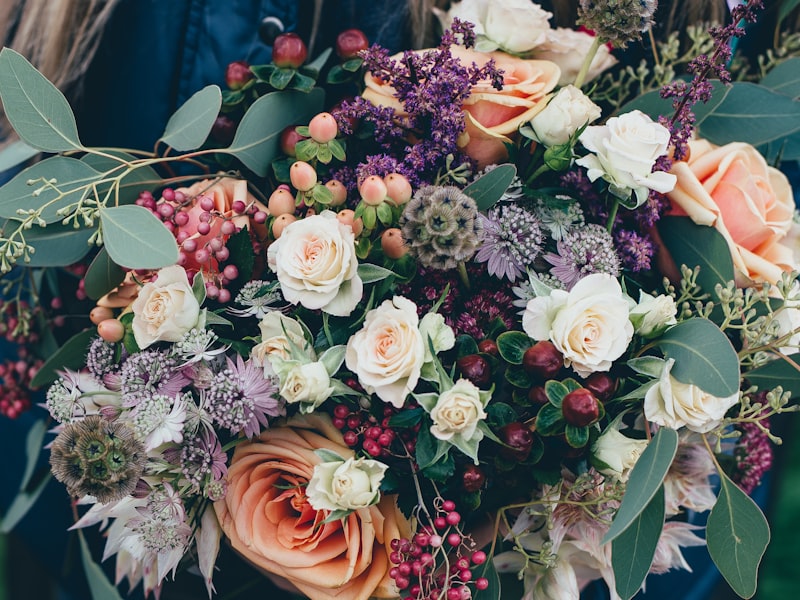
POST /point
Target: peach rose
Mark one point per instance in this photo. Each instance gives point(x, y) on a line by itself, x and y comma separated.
point(492, 116)
point(269, 521)
point(732, 188)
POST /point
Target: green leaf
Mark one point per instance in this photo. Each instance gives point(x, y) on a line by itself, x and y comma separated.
point(256, 142)
point(333, 358)
point(703, 356)
point(313, 68)
point(190, 125)
point(633, 551)
point(500, 414)
point(645, 480)
point(652, 366)
point(697, 245)
point(519, 377)
point(549, 420)
point(490, 187)
point(512, 346)
point(99, 585)
point(785, 78)
point(36, 109)
point(280, 77)
point(556, 390)
point(16, 153)
point(328, 455)
point(128, 230)
point(26, 498)
point(241, 253)
point(324, 154)
point(778, 372)
point(71, 355)
point(385, 213)
point(493, 591)
point(577, 437)
point(407, 418)
point(787, 6)
point(199, 289)
point(370, 273)
point(737, 534)
point(72, 178)
point(57, 245)
point(429, 449)
point(302, 83)
point(22, 504)
point(102, 276)
point(140, 179)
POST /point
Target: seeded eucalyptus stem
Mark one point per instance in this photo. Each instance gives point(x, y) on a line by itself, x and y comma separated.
point(587, 62)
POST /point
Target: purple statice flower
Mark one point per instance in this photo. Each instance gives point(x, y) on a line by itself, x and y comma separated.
point(648, 214)
point(511, 241)
point(150, 372)
point(101, 357)
point(753, 454)
point(593, 203)
point(635, 250)
point(377, 164)
point(582, 252)
point(241, 397)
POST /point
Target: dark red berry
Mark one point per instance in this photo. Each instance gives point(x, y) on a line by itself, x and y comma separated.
point(537, 395)
point(289, 50)
point(519, 438)
point(223, 130)
point(601, 385)
point(580, 408)
point(472, 479)
point(475, 368)
point(543, 360)
point(350, 42)
point(488, 347)
point(237, 74)
point(288, 140)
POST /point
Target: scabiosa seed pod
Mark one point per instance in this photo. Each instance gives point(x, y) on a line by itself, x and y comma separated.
point(441, 227)
point(617, 21)
point(99, 458)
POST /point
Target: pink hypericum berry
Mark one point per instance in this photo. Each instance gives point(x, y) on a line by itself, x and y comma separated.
point(99, 314)
point(398, 188)
point(279, 224)
point(346, 218)
point(303, 176)
point(372, 190)
point(281, 202)
point(350, 42)
point(289, 50)
point(323, 128)
point(338, 190)
point(392, 243)
point(111, 330)
point(288, 140)
point(237, 74)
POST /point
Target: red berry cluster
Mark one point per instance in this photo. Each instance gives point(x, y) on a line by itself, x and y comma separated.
point(361, 429)
point(439, 561)
point(15, 380)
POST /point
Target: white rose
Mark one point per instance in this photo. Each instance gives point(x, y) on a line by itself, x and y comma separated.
point(388, 352)
point(515, 26)
point(674, 404)
point(618, 452)
point(569, 110)
point(568, 48)
point(589, 324)
point(307, 383)
point(458, 412)
point(348, 485)
point(625, 150)
point(316, 264)
point(165, 308)
point(433, 327)
point(653, 314)
point(278, 333)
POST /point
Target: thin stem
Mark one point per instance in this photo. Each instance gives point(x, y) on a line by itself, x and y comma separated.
point(612, 215)
point(462, 273)
point(587, 62)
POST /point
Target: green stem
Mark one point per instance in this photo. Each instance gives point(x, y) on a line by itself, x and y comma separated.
point(587, 62)
point(462, 273)
point(536, 173)
point(612, 215)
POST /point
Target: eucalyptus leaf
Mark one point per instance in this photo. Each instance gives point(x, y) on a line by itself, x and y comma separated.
point(778, 372)
point(785, 77)
point(256, 142)
point(313, 68)
point(114, 163)
point(72, 178)
point(787, 6)
point(128, 230)
point(102, 276)
point(27, 496)
point(99, 585)
point(22, 504)
point(737, 534)
point(654, 105)
point(697, 245)
point(36, 109)
point(645, 480)
point(489, 188)
point(190, 125)
point(633, 551)
point(57, 245)
point(15, 154)
point(71, 355)
point(704, 356)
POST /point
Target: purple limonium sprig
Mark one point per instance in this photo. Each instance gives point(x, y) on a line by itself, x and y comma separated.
point(635, 250)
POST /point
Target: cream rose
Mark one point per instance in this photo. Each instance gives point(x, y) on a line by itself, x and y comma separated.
point(165, 309)
point(674, 404)
point(278, 333)
point(457, 413)
point(515, 26)
point(653, 314)
point(617, 452)
point(625, 150)
point(733, 189)
point(345, 485)
point(316, 264)
point(307, 383)
point(567, 48)
point(589, 324)
point(569, 110)
point(388, 352)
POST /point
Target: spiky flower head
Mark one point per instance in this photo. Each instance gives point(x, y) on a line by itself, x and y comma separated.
point(101, 357)
point(258, 298)
point(511, 241)
point(617, 21)
point(441, 227)
point(582, 252)
point(98, 458)
point(149, 372)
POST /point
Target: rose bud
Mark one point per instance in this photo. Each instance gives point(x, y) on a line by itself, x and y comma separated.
point(543, 360)
point(472, 479)
point(475, 368)
point(601, 385)
point(537, 395)
point(580, 408)
point(289, 50)
point(488, 347)
point(237, 74)
point(519, 437)
point(350, 42)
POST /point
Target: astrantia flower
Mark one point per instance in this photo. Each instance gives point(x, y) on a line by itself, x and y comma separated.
point(559, 220)
point(258, 298)
point(617, 21)
point(195, 345)
point(75, 395)
point(584, 251)
point(202, 459)
point(149, 372)
point(241, 398)
point(98, 458)
point(511, 241)
point(101, 357)
point(159, 419)
point(441, 227)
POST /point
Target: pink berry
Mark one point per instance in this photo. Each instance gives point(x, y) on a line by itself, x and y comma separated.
point(231, 272)
point(439, 523)
point(448, 505)
point(479, 557)
point(239, 207)
point(237, 74)
point(323, 128)
point(398, 188)
point(260, 217)
point(289, 50)
point(203, 228)
point(206, 203)
point(202, 255)
point(373, 190)
point(224, 296)
point(190, 245)
point(281, 202)
point(222, 254)
point(481, 583)
point(181, 219)
point(227, 228)
point(453, 518)
point(454, 539)
point(338, 190)
point(111, 330)
point(303, 176)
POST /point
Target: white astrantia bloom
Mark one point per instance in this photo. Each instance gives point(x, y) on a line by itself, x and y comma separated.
point(345, 485)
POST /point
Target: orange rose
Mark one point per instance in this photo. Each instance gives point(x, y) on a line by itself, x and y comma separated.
point(733, 189)
point(492, 116)
point(267, 517)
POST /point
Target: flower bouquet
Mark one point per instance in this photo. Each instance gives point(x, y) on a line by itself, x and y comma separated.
point(497, 317)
